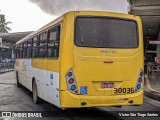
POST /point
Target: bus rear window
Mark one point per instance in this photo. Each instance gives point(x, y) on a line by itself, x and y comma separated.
point(103, 32)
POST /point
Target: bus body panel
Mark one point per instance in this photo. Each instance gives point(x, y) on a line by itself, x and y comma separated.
point(69, 100)
point(44, 71)
point(66, 51)
point(90, 69)
point(47, 79)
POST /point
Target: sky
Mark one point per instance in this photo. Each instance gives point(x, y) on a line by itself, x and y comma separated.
point(30, 15)
point(24, 15)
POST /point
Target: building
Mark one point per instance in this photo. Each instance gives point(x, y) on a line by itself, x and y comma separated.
point(7, 41)
point(149, 11)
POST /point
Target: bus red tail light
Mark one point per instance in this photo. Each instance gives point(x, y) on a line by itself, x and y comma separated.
point(140, 80)
point(71, 82)
point(138, 86)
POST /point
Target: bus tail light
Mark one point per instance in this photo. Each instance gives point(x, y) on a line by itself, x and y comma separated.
point(138, 86)
point(140, 80)
point(69, 74)
point(141, 73)
point(71, 82)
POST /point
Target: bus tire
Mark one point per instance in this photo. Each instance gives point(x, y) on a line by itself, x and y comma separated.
point(36, 100)
point(17, 79)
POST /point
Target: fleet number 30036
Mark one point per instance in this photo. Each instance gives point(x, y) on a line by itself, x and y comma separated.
point(123, 90)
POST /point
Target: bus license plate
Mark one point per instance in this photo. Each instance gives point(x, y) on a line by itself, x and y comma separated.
point(107, 85)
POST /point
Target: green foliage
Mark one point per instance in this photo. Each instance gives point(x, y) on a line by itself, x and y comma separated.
point(3, 24)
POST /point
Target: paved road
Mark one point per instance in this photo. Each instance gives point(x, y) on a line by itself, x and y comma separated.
point(19, 99)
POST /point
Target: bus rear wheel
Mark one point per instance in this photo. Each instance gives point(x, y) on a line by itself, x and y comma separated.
point(35, 93)
point(17, 79)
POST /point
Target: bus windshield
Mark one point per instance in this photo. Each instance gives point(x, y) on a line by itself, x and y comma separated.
point(105, 32)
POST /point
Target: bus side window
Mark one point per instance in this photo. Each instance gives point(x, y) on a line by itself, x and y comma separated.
point(21, 51)
point(42, 45)
point(35, 47)
point(15, 52)
point(18, 51)
point(25, 50)
point(29, 49)
point(53, 42)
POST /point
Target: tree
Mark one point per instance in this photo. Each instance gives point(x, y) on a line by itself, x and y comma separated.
point(3, 24)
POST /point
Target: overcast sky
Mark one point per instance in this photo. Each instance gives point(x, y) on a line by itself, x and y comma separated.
point(30, 15)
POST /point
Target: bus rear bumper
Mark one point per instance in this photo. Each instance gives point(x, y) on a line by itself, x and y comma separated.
point(69, 100)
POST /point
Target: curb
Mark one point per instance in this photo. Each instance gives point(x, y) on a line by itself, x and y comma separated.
point(149, 91)
point(6, 71)
point(151, 94)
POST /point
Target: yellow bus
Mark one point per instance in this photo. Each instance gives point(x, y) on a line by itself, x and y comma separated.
point(84, 59)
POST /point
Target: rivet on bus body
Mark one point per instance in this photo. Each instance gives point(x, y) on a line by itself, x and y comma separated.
point(56, 95)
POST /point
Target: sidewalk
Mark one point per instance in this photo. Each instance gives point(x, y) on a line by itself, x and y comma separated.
point(152, 87)
point(5, 70)
point(7, 78)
